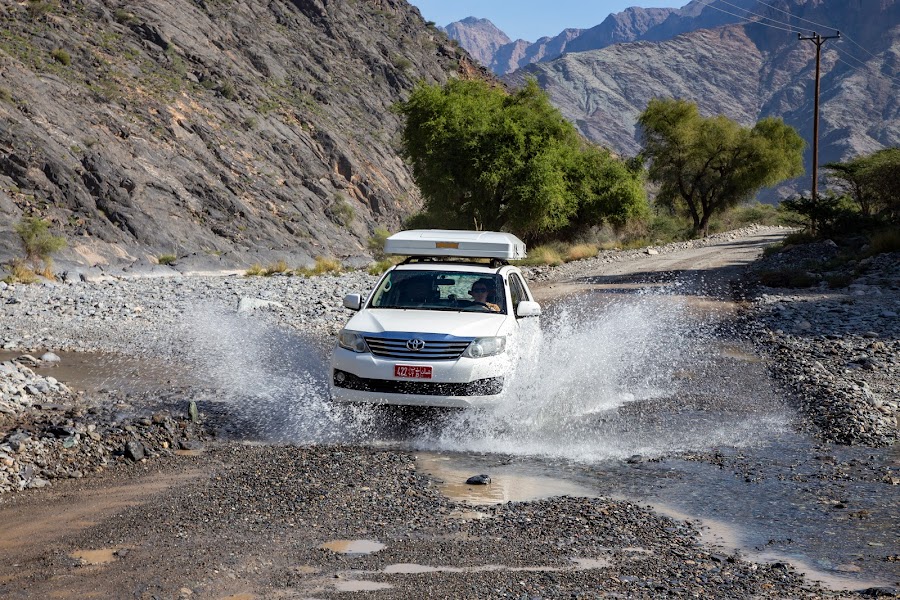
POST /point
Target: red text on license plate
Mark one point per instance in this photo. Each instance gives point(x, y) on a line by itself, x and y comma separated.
point(413, 371)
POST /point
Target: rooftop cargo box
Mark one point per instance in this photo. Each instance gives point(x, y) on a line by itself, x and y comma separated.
point(452, 243)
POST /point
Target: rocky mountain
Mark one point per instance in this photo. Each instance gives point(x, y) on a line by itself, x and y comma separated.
point(627, 26)
point(746, 71)
point(479, 37)
point(520, 53)
point(632, 24)
point(221, 132)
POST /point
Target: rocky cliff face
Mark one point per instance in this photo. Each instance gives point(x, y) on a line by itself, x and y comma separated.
point(746, 72)
point(222, 132)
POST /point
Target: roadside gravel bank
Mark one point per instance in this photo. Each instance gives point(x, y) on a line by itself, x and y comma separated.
point(837, 350)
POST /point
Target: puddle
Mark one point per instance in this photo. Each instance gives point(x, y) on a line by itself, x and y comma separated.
point(353, 546)
point(189, 452)
point(95, 557)
point(736, 352)
point(93, 372)
point(353, 585)
point(468, 515)
point(507, 484)
point(578, 564)
point(305, 570)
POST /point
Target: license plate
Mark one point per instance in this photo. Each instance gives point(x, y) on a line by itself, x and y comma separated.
point(413, 371)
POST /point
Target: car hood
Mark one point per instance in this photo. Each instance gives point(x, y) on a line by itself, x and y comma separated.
point(460, 324)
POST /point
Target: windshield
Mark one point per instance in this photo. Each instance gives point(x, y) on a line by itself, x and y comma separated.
point(441, 290)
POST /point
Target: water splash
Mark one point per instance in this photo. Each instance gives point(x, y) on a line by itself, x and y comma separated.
point(604, 380)
point(273, 383)
point(636, 376)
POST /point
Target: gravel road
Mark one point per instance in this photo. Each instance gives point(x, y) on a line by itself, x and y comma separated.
point(139, 497)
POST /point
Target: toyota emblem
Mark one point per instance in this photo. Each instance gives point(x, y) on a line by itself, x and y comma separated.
point(415, 345)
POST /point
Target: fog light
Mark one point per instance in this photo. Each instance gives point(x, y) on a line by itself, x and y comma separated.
point(339, 376)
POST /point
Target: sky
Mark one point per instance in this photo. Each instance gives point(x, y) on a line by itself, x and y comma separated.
point(532, 19)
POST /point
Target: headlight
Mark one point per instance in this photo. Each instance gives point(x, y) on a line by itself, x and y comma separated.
point(488, 346)
point(352, 341)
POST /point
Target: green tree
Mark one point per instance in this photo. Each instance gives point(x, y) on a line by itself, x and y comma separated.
point(38, 243)
point(705, 165)
point(873, 182)
point(486, 159)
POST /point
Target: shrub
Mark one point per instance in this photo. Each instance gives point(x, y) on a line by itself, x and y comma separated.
point(543, 255)
point(61, 56)
point(123, 16)
point(20, 273)
point(38, 242)
point(376, 243)
point(323, 265)
point(581, 251)
point(840, 280)
point(255, 270)
point(38, 8)
point(341, 212)
point(5, 95)
point(884, 241)
point(166, 259)
point(228, 90)
point(381, 266)
point(788, 278)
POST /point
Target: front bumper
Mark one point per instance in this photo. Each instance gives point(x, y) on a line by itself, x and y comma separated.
point(464, 382)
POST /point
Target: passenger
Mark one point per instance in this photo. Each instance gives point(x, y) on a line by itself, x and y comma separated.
point(416, 291)
point(483, 292)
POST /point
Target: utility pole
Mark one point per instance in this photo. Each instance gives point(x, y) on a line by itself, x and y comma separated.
point(818, 40)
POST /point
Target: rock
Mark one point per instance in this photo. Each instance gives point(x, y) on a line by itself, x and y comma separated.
point(61, 431)
point(251, 304)
point(134, 450)
point(635, 459)
point(478, 480)
point(192, 445)
point(651, 252)
point(50, 357)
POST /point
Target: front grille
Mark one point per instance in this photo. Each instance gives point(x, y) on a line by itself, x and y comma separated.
point(479, 387)
point(433, 350)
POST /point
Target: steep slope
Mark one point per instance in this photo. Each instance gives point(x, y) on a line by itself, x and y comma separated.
point(222, 132)
point(745, 72)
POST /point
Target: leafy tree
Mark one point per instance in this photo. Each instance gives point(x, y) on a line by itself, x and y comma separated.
point(873, 182)
point(486, 159)
point(37, 240)
point(705, 165)
point(39, 244)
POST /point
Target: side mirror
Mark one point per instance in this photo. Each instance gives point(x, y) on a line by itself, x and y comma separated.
point(527, 308)
point(353, 301)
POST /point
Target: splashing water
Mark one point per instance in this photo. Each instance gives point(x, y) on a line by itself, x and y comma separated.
point(599, 382)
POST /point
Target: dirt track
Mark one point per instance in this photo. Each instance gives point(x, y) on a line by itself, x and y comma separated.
point(251, 521)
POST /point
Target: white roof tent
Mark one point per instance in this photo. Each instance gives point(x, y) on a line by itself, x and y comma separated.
point(452, 243)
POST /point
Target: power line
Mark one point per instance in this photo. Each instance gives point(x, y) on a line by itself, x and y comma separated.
point(790, 28)
point(848, 38)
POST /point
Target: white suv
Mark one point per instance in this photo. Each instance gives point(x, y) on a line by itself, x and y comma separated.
point(440, 329)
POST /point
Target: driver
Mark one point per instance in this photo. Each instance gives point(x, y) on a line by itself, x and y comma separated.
point(481, 291)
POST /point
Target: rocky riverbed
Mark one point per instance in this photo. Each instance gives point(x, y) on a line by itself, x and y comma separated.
point(835, 349)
